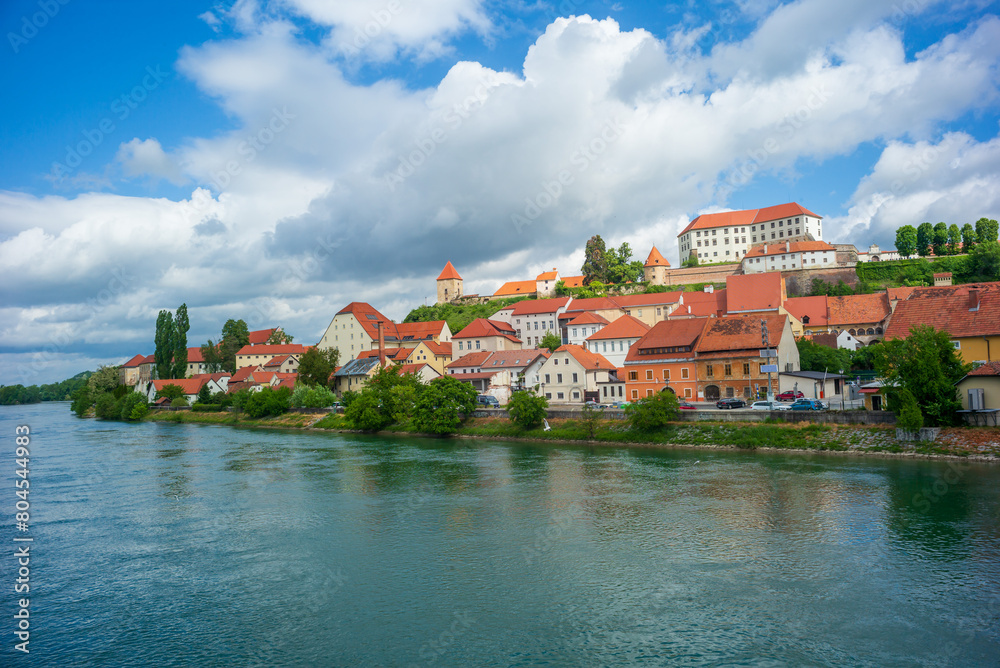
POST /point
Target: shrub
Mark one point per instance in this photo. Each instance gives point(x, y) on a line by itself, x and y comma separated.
point(440, 404)
point(81, 401)
point(170, 392)
point(139, 411)
point(305, 396)
point(130, 405)
point(207, 408)
point(366, 413)
point(527, 410)
point(652, 413)
point(910, 418)
point(268, 402)
point(179, 402)
point(106, 408)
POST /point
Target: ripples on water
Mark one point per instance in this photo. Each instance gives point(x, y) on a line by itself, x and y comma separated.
point(162, 544)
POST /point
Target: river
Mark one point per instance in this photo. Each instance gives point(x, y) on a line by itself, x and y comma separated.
point(192, 545)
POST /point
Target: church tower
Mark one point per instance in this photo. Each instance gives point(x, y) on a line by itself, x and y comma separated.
point(449, 285)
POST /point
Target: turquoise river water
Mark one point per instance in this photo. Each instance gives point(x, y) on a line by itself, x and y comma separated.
point(192, 545)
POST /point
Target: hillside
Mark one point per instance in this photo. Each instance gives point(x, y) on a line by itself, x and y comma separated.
point(458, 315)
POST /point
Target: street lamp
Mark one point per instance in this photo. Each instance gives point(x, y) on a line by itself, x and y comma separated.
point(843, 389)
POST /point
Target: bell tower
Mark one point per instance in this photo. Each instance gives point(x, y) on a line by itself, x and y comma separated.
point(449, 285)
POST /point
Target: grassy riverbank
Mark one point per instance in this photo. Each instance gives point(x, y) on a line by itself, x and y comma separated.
point(980, 442)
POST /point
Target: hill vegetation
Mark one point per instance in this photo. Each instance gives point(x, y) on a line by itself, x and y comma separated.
point(11, 395)
point(459, 316)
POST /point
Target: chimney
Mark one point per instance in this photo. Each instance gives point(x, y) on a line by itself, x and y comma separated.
point(709, 288)
point(381, 345)
point(765, 249)
point(973, 300)
point(788, 247)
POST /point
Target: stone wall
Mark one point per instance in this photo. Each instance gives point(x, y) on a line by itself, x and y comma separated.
point(825, 417)
point(692, 275)
point(798, 283)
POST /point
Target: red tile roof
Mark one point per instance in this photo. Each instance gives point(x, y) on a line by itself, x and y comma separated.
point(988, 369)
point(448, 273)
point(588, 318)
point(899, 293)
point(277, 361)
point(419, 331)
point(242, 374)
point(547, 275)
point(857, 309)
point(588, 360)
point(441, 349)
point(149, 359)
point(655, 259)
point(625, 327)
point(769, 249)
point(395, 354)
point(573, 281)
point(537, 306)
point(701, 305)
point(514, 288)
point(667, 334)
point(274, 349)
point(755, 292)
point(734, 333)
point(593, 304)
point(134, 362)
point(368, 316)
point(483, 327)
point(747, 217)
point(812, 307)
point(470, 360)
point(652, 299)
point(213, 376)
point(948, 309)
point(512, 359)
point(413, 368)
point(194, 355)
point(261, 336)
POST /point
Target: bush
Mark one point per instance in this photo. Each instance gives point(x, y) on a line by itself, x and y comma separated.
point(207, 408)
point(179, 402)
point(268, 402)
point(170, 392)
point(527, 410)
point(305, 396)
point(106, 408)
point(440, 403)
point(366, 413)
point(652, 413)
point(910, 418)
point(81, 401)
point(133, 406)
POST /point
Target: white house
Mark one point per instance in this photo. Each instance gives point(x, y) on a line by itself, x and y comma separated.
point(584, 325)
point(614, 340)
point(532, 319)
point(788, 256)
point(726, 236)
point(572, 374)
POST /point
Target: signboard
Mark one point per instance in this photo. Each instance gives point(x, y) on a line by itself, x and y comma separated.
point(769, 368)
point(770, 352)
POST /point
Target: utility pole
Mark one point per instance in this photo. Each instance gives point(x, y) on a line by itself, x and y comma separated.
point(767, 347)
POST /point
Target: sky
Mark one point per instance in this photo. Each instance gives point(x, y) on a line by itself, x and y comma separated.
point(275, 161)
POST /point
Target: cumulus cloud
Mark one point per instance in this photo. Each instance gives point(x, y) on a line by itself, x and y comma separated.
point(328, 191)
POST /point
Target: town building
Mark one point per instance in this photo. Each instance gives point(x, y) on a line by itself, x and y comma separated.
point(790, 255)
point(262, 355)
point(498, 374)
point(664, 359)
point(584, 325)
point(359, 326)
point(864, 317)
point(449, 284)
point(572, 374)
point(139, 369)
point(654, 270)
point(615, 340)
point(729, 360)
point(727, 236)
point(979, 391)
point(484, 334)
point(970, 313)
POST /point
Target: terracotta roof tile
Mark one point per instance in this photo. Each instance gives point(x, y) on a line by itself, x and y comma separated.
point(988, 369)
point(755, 292)
point(260, 336)
point(512, 359)
point(782, 211)
point(188, 385)
point(812, 307)
point(274, 349)
point(667, 334)
point(625, 327)
point(483, 327)
point(416, 331)
point(547, 275)
point(471, 360)
point(588, 318)
point(948, 309)
point(573, 281)
point(442, 349)
point(655, 259)
point(652, 299)
point(740, 332)
point(747, 216)
point(449, 272)
point(537, 306)
point(857, 309)
point(134, 362)
point(769, 249)
point(587, 359)
point(515, 288)
point(368, 316)
point(701, 305)
point(277, 360)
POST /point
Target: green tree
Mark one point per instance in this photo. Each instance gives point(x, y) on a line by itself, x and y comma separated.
point(443, 404)
point(652, 413)
point(591, 418)
point(691, 261)
point(561, 289)
point(306, 396)
point(814, 357)
point(204, 395)
point(396, 392)
point(595, 263)
point(81, 401)
point(365, 412)
point(863, 359)
point(211, 352)
point(984, 261)
point(954, 239)
point(105, 379)
point(134, 406)
point(527, 410)
point(906, 240)
point(106, 408)
point(170, 391)
point(925, 237)
point(905, 404)
point(550, 341)
point(278, 337)
point(181, 327)
point(316, 366)
point(927, 365)
point(968, 238)
point(621, 267)
point(940, 239)
point(179, 402)
point(986, 230)
point(268, 402)
point(164, 345)
point(235, 335)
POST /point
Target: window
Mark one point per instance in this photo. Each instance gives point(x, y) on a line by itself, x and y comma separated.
point(575, 379)
point(459, 345)
point(536, 325)
point(772, 226)
point(687, 392)
point(710, 371)
point(633, 375)
point(649, 393)
point(957, 344)
point(666, 374)
point(555, 361)
point(781, 223)
point(755, 241)
point(699, 244)
point(559, 379)
point(746, 368)
point(728, 369)
point(716, 254)
point(477, 345)
point(576, 395)
point(635, 394)
point(714, 242)
point(604, 346)
point(547, 379)
point(726, 240)
point(684, 373)
point(548, 395)
point(697, 234)
point(560, 395)
point(574, 332)
point(713, 234)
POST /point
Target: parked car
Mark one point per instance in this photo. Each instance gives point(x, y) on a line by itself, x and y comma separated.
point(807, 405)
point(789, 396)
point(486, 401)
point(730, 403)
point(592, 404)
point(686, 406)
point(768, 406)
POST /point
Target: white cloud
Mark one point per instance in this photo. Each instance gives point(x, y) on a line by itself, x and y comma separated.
point(146, 158)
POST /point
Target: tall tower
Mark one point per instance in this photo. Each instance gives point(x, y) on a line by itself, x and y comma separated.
point(449, 284)
point(655, 269)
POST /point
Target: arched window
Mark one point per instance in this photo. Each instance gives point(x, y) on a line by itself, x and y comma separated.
point(871, 331)
point(878, 331)
point(851, 332)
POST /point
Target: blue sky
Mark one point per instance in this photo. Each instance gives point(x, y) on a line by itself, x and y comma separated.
point(274, 161)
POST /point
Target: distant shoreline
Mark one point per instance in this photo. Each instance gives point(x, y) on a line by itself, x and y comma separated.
point(474, 431)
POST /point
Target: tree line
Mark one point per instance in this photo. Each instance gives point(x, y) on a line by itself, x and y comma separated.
point(11, 395)
point(943, 239)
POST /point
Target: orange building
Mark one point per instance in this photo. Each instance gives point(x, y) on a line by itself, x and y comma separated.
point(664, 359)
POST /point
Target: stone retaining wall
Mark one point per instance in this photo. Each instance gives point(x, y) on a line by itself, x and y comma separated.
point(822, 417)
